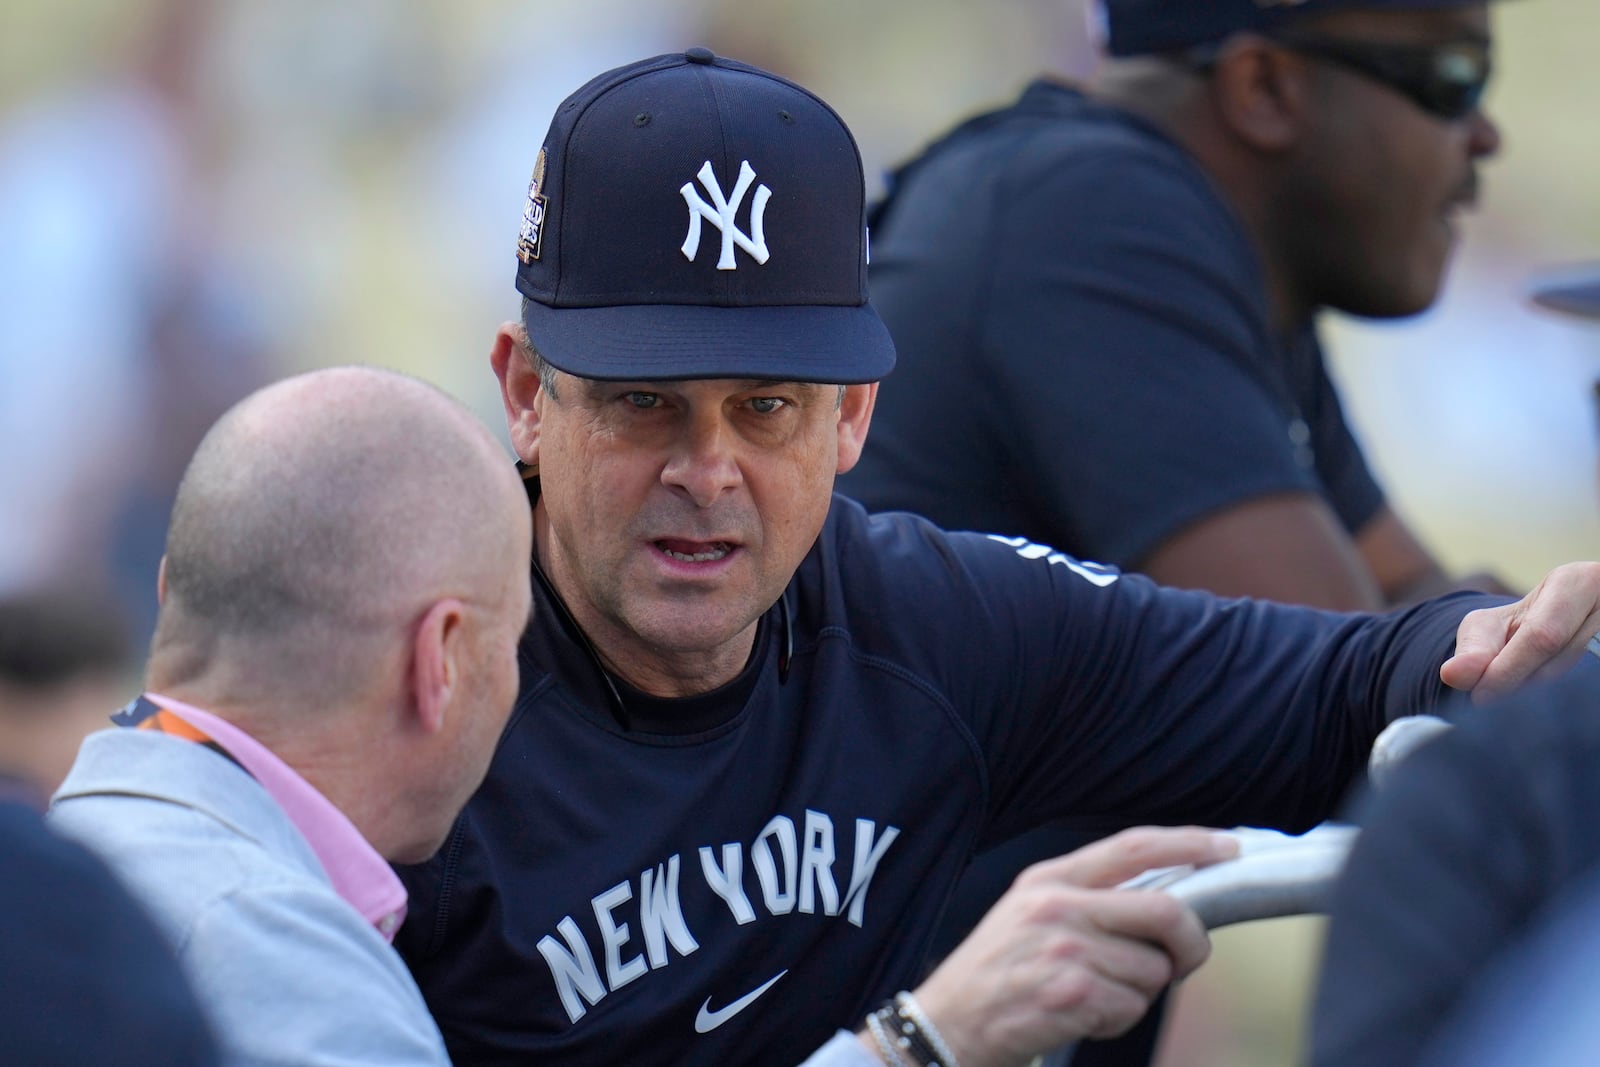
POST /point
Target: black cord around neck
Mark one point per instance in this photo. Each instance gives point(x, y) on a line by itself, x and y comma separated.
point(786, 653)
point(619, 707)
point(619, 710)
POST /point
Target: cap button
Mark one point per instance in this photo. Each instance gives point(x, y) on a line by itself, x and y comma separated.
point(699, 55)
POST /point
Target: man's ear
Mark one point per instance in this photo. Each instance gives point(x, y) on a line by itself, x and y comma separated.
point(1262, 92)
point(436, 662)
point(855, 416)
point(519, 386)
point(161, 580)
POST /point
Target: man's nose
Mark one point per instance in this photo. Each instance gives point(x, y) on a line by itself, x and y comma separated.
point(1484, 135)
point(704, 463)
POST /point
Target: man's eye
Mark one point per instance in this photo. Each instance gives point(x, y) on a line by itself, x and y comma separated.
point(643, 400)
point(766, 405)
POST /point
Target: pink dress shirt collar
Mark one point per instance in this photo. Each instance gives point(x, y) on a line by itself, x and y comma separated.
point(359, 875)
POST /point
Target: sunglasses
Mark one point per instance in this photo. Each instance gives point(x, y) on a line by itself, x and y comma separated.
point(1446, 80)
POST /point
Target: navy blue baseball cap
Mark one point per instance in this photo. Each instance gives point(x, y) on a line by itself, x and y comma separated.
point(694, 217)
point(1138, 27)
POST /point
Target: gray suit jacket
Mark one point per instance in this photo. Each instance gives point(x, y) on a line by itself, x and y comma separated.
point(288, 971)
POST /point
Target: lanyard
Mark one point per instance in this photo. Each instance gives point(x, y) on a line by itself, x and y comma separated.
point(144, 714)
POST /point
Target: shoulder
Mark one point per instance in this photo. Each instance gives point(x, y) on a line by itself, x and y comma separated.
point(1056, 139)
point(1054, 120)
point(286, 966)
point(866, 556)
point(896, 571)
point(179, 824)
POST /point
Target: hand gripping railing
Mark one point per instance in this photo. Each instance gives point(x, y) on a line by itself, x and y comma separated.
point(1277, 874)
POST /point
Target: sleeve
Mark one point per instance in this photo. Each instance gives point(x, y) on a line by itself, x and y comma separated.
point(1126, 337)
point(842, 1051)
point(293, 977)
point(1471, 840)
point(1095, 696)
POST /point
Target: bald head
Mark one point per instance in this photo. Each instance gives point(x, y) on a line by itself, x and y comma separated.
point(318, 518)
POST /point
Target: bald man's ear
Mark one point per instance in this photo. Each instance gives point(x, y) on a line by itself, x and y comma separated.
point(161, 580)
point(436, 662)
point(855, 417)
point(519, 385)
point(1261, 92)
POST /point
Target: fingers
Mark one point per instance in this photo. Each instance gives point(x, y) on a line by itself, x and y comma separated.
point(1065, 955)
point(1479, 638)
point(1499, 649)
point(1115, 859)
point(1153, 918)
point(1169, 938)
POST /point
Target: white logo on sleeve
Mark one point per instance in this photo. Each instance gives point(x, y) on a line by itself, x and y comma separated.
point(1095, 573)
point(707, 1020)
point(720, 213)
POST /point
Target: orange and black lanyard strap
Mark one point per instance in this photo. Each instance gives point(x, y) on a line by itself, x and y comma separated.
point(143, 714)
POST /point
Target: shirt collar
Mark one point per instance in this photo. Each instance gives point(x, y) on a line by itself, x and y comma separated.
point(357, 873)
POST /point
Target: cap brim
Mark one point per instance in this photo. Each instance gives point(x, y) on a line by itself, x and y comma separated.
point(1571, 290)
point(674, 342)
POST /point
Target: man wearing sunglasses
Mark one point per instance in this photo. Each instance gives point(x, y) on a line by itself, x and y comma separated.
point(1113, 292)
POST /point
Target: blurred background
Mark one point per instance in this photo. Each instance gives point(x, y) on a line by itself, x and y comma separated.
point(198, 196)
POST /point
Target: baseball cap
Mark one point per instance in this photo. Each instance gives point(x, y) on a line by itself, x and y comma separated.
point(1136, 27)
point(695, 217)
point(1574, 290)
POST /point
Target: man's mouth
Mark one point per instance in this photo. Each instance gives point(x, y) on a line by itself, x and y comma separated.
point(694, 552)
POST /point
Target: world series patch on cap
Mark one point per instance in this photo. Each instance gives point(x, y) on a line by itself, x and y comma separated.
point(1138, 27)
point(694, 217)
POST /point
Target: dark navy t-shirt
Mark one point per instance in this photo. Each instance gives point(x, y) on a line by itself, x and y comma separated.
point(734, 891)
point(1085, 355)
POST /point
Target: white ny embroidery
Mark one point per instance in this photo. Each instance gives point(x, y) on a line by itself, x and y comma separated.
point(720, 213)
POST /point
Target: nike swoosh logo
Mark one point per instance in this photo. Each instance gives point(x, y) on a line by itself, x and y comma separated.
point(708, 1020)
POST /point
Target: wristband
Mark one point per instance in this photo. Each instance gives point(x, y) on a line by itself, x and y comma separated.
point(912, 1012)
point(880, 1036)
point(906, 1035)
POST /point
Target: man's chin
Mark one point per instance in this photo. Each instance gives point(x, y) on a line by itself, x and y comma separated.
point(1402, 298)
point(695, 629)
point(418, 852)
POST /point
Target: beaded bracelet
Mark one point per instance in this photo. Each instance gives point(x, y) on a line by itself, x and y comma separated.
point(880, 1036)
point(911, 1011)
point(908, 1034)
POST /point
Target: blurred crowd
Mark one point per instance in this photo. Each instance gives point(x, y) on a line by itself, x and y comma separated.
point(200, 195)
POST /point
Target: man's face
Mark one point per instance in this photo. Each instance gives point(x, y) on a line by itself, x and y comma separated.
point(1379, 192)
point(673, 514)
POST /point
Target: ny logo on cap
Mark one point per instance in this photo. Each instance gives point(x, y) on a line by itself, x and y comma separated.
point(720, 213)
